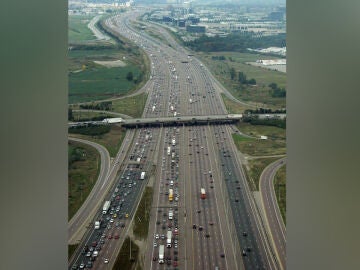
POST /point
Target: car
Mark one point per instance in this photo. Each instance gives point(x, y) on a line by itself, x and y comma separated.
point(194, 226)
point(162, 236)
point(211, 223)
point(82, 266)
point(244, 234)
point(111, 220)
point(89, 264)
point(106, 260)
point(199, 211)
point(154, 258)
point(116, 236)
point(155, 244)
point(207, 235)
point(91, 249)
point(175, 263)
point(88, 254)
point(74, 267)
point(110, 236)
point(94, 244)
point(157, 236)
point(243, 252)
point(222, 255)
point(200, 228)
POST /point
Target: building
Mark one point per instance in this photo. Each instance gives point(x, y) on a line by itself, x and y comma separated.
point(195, 28)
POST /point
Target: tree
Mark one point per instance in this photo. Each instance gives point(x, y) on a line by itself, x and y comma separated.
point(242, 77)
point(273, 86)
point(129, 76)
point(232, 73)
point(70, 114)
point(252, 81)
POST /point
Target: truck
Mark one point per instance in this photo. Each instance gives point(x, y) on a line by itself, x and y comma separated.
point(97, 224)
point(173, 141)
point(161, 253)
point(106, 207)
point(168, 239)
point(142, 176)
point(203, 193)
point(171, 195)
point(171, 214)
point(168, 150)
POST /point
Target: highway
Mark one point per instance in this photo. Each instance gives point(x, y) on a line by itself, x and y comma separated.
point(224, 229)
point(272, 211)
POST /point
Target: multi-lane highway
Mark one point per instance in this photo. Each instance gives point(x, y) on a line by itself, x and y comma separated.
point(219, 229)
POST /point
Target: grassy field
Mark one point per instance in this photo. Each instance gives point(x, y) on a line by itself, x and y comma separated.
point(274, 145)
point(78, 30)
point(124, 260)
point(111, 140)
point(142, 216)
point(234, 107)
point(84, 167)
point(258, 94)
point(280, 190)
point(98, 82)
point(133, 106)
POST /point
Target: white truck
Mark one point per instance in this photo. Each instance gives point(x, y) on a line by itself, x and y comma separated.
point(161, 253)
point(173, 141)
point(106, 207)
point(171, 214)
point(168, 150)
point(142, 176)
point(97, 224)
point(168, 239)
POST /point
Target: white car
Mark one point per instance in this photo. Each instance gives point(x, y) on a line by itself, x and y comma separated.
point(106, 260)
point(157, 236)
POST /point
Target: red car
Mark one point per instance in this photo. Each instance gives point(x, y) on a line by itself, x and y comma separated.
point(110, 236)
point(116, 236)
point(175, 263)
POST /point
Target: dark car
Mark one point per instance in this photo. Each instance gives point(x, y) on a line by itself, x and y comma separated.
point(194, 226)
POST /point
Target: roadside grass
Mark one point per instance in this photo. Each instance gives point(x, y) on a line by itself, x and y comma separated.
point(256, 167)
point(78, 30)
point(232, 106)
point(132, 106)
point(124, 260)
point(280, 190)
point(111, 140)
point(260, 92)
point(142, 216)
point(84, 167)
point(274, 133)
point(71, 250)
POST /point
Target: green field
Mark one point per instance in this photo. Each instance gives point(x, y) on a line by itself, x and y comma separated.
point(280, 190)
point(142, 216)
point(274, 145)
point(99, 82)
point(111, 140)
point(133, 106)
point(234, 107)
point(258, 94)
point(78, 30)
point(84, 167)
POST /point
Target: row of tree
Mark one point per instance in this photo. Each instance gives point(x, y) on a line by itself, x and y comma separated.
point(102, 106)
point(241, 77)
point(264, 111)
point(277, 91)
point(280, 123)
point(236, 42)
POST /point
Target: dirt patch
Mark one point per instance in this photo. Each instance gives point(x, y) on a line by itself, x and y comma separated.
point(110, 64)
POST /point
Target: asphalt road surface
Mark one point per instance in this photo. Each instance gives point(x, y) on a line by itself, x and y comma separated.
point(272, 211)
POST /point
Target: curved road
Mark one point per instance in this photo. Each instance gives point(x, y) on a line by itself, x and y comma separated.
point(77, 225)
point(272, 211)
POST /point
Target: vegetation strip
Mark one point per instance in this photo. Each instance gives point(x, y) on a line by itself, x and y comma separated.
point(280, 190)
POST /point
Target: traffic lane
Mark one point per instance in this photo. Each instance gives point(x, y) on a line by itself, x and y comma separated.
point(272, 211)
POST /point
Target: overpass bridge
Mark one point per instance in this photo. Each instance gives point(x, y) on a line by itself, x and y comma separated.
point(165, 121)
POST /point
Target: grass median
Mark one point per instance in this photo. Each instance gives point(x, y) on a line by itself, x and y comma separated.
point(280, 190)
point(128, 256)
point(142, 216)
